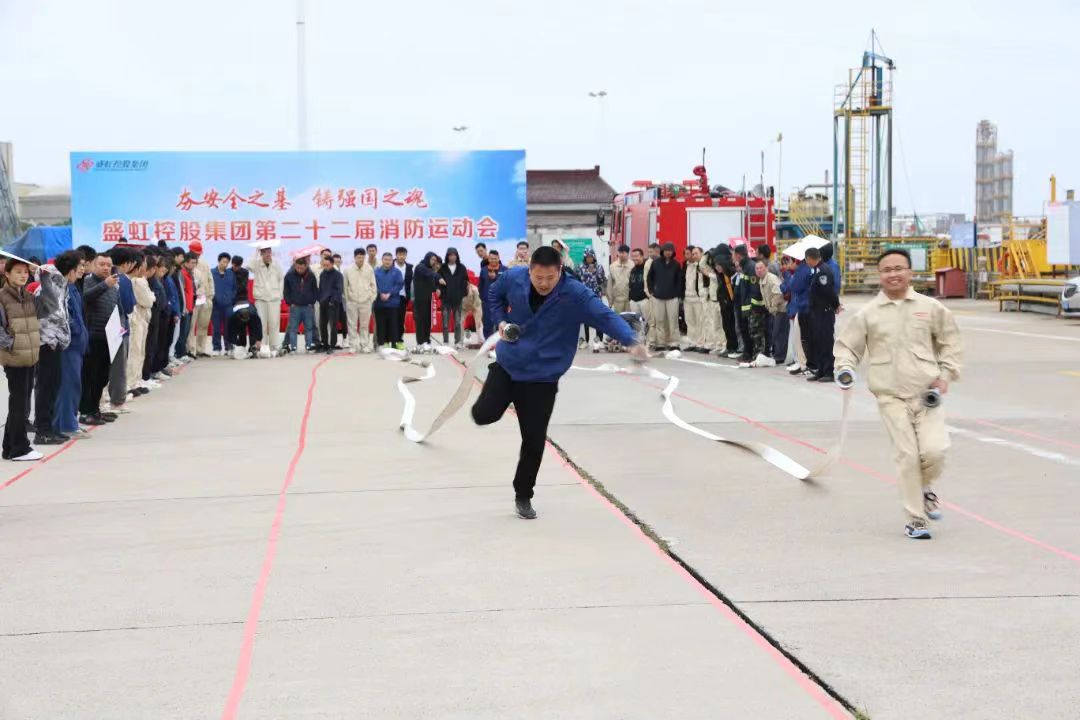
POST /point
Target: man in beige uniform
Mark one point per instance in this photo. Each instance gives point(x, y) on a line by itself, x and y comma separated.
point(199, 341)
point(618, 288)
point(521, 255)
point(654, 252)
point(913, 344)
point(697, 290)
point(360, 293)
point(269, 285)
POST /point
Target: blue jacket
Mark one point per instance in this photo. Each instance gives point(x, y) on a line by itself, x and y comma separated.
point(127, 298)
point(388, 281)
point(80, 337)
point(549, 338)
point(837, 277)
point(300, 289)
point(485, 284)
point(174, 297)
point(331, 286)
point(224, 287)
point(799, 288)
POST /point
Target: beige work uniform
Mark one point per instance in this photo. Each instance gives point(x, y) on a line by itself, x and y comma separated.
point(694, 305)
point(360, 293)
point(139, 326)
point(618, 289)
point(910, 343)
point(470, 304)
point(267, 290)
point(198, 340)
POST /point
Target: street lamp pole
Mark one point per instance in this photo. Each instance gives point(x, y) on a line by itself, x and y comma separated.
point(301, 77)
point(600, 96)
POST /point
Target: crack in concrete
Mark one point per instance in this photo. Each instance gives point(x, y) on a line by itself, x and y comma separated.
point(705, 583)
point(358, 616)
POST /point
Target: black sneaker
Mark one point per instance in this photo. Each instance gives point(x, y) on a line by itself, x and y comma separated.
point(525, 509)
point(107, 417)
point(92, 420)
point(826, 378)
point(50, 439)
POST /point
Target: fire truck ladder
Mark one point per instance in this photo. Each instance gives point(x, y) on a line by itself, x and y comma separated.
point(757, 225)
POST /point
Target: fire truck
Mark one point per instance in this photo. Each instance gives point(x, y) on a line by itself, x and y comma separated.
point(692, 213)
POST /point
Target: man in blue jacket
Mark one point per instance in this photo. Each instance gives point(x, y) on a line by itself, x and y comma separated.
point(71, 265)
point(224, 299)
point(797, 284)
point(301, 292)
point(490, 272)
point(547, 307)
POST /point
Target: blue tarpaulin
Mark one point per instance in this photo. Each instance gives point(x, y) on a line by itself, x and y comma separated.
point(41, 242)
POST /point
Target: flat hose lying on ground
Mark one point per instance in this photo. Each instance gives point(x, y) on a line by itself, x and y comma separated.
point(766, 452)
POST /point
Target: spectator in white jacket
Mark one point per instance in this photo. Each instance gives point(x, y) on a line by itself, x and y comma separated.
point(269, 281)
point(360, 292)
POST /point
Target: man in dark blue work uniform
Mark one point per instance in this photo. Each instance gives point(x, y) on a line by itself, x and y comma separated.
point(824, 302)
point(546, 306)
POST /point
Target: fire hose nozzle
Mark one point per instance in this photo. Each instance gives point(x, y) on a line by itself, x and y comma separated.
point(511, 332)
point(846, 378)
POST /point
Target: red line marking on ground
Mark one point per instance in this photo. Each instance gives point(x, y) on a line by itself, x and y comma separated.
point(1025, 433)
point(1073, 557)
point(39, 463)
point(833, 708)
point(251, 625)
point(52, 454)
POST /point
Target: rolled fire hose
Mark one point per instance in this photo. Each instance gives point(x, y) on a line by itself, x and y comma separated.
point(461, 395)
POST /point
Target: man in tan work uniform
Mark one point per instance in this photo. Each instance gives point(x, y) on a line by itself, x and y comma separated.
point(913, 345)
point(198, 342)
point(618, 287)
point(696, 291)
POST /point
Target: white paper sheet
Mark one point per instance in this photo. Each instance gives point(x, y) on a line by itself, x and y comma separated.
point(114, 333)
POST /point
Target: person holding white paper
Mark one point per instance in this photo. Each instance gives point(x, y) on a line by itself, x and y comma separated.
point(101, 296)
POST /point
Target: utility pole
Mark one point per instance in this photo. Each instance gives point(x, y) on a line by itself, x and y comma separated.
point(301, 77)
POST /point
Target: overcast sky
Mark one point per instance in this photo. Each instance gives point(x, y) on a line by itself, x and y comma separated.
point(221, 75)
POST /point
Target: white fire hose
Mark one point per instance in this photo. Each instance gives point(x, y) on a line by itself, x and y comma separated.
point(461, 395)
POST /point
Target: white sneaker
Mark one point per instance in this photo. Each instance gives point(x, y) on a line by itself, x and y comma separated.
point(29, 457)
point(746, 365)
point(764, 361)
point(734, 355)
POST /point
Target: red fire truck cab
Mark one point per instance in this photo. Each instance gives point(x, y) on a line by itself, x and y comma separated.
point(690, 213)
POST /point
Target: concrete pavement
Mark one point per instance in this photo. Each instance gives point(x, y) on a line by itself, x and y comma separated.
point(258, 540)
point(981, 622)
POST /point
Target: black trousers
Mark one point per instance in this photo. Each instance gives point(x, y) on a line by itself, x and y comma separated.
point(95, 375)
point(20, 383)
point(743, 318)
point(328, 315)
point(403, 306)
point(824, 322)
point(533, 403)
point(727, 319)
point(386, 325)
point(422, 320)
point(165, 328)
point(806, 339)
point(48, 384)
point(152, 332)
